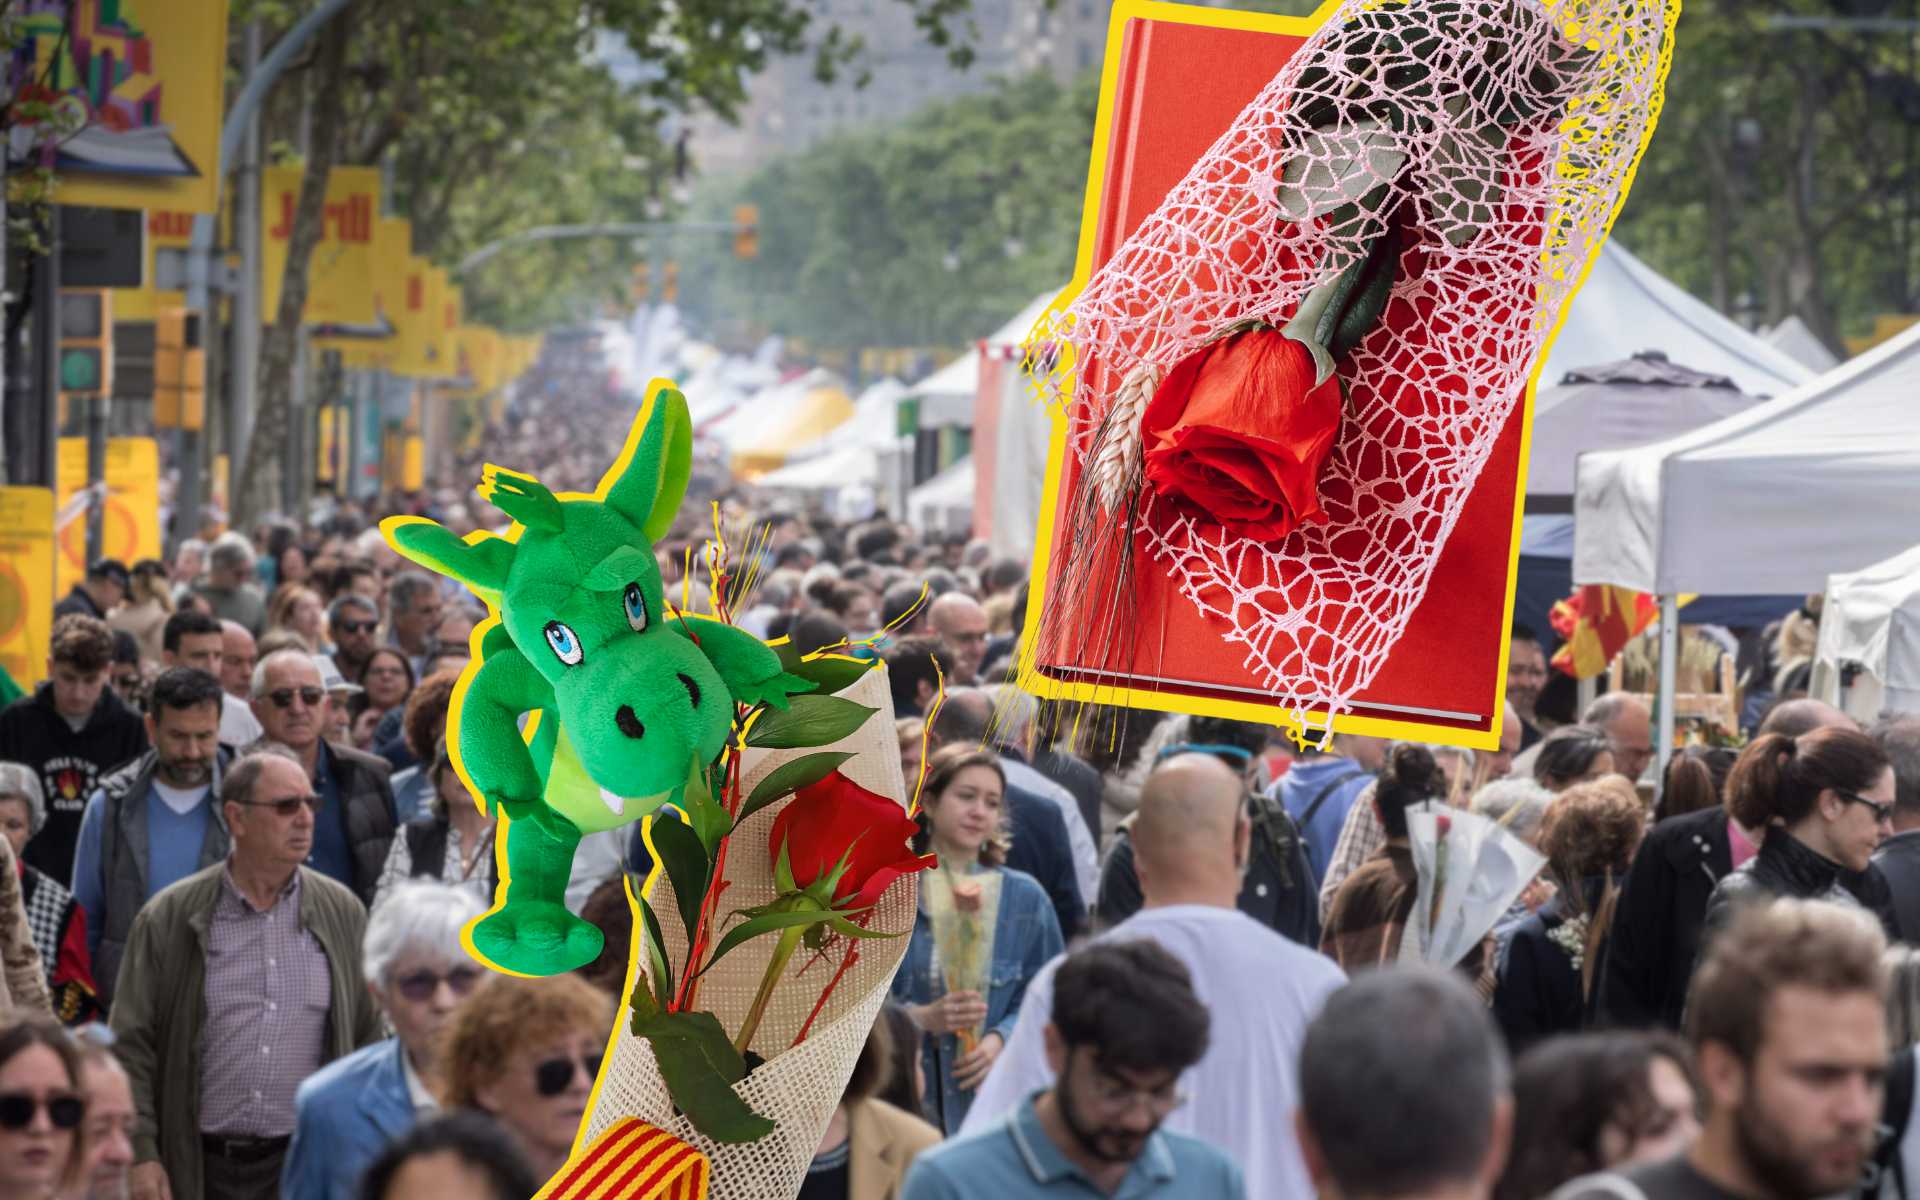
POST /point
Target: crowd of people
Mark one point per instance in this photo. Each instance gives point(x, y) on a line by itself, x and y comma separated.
point(1161, 956)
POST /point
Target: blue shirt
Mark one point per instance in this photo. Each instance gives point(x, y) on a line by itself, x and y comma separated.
point(1014, 1159)
point(330, 855)
point(1342, 780)
point(173, 852)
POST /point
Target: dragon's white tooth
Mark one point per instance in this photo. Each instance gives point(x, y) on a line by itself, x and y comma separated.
point(617, 803)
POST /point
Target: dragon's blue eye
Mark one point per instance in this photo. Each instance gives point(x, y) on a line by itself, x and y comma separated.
point(636, 605)
point(565, 644)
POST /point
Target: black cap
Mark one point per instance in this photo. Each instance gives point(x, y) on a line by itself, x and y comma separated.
point(110, 568)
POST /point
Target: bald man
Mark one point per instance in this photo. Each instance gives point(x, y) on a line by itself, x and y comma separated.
point(1191, 837)
point(961, 625)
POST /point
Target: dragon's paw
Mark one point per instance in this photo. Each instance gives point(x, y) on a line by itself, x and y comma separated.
point(774, 691)
point(537, 937)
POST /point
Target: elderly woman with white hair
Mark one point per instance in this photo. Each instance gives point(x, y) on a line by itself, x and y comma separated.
point(418, 973)
point(1521, 805)
point(53, 924)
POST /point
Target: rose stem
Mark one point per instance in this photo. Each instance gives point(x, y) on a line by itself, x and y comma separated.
point(852, 956)
point(690, 982)
point(789, 941)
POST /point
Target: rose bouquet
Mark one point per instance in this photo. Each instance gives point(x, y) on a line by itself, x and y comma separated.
point(1471, 870)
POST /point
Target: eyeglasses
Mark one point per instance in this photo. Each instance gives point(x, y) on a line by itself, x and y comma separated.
point(359, 626)
point(1114, 1097)
point(555, 1075)
point(420, 986)
point(1881, 811)
point(17, 1109)
point(309, 696)
point(289, 805)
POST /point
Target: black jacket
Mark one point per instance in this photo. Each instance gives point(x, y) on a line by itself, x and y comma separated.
point(1042, 849)
point(1898, 862)
point(1656, 924)
point(78, 601)
point(367, 799)
point(69, 763)
point(1785, 868)
point(1539, 993)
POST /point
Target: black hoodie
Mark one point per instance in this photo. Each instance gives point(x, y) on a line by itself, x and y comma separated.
point(69, 765)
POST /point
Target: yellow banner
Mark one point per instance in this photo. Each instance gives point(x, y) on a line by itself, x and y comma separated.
point(164, 228)
point(26, 582)
point(480, 359)
point(421, 317)
point(332, 440)
point(413, 471)
point(130, 527)
point(218, 487)
point(150, 75)
point(387, 280)
point(452, 312)
point(340, 278)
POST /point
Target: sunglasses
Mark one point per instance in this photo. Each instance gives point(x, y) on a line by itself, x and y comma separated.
point(309, 696)
point(359, 626)
point(420, 986)
point(17, 1109)
point(288, 806)
point(555, 1075)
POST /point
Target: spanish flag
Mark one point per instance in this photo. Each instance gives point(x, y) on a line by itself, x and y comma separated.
point(633, 1160)
point(1595, 623)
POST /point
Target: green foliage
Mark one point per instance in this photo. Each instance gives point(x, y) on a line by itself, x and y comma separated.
point(790, 777)
point(809, 721)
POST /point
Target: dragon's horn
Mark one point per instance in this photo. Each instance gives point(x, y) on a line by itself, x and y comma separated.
point(521, 497)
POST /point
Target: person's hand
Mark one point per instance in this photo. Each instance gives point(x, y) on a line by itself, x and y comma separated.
point(951, 1012)
point(148, 1181)
point(971, 1070)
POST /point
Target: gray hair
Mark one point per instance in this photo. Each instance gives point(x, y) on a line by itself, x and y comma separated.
point(779, 588)
point(405, 586)
point(1014, 714)
point(419, 916)
point(346, 600)
point(18, 781)
point(1400, 1077)
point(230, 551)
point(1899, 737)
point(258, 687)
point(1522, 803)
point(1606, 707)
point(236, 786)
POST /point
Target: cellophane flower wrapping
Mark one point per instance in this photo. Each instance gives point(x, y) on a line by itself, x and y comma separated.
point(799, 1086)
point(1482, 872)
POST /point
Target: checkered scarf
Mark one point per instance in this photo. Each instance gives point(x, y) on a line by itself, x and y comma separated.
point(47, 906)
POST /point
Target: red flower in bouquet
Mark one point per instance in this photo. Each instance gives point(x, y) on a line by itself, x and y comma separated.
point(837, 819)
point(1239, 431)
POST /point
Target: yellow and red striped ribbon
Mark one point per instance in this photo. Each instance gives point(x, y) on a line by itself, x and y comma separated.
point(633, 1160)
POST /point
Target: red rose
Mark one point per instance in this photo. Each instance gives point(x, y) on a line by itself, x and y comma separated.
point(1237, 434)
point(837, 817)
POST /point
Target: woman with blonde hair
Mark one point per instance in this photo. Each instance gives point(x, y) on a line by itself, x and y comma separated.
point(1589, 838)
point(149, 604)
point(296, 608)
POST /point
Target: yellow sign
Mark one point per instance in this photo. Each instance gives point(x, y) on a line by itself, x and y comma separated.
point(340, 277)
point(413, 466)
point(26, 582)
point(218, 487)
point(335, 423)
point(149, 77)
point(420, 323)
point(130, 526)
point(164, 228)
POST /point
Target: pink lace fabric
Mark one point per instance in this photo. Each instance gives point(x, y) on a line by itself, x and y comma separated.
point(1504, 133)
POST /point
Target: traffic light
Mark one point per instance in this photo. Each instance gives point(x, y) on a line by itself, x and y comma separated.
point(746, 234)
point(641, 289)
point(179, 371)
point(670, 283)
point(86, 344)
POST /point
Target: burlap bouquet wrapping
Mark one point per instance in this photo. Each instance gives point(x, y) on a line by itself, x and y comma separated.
point(799, 1086)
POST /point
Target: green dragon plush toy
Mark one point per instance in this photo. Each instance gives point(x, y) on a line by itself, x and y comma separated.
point(630, 698)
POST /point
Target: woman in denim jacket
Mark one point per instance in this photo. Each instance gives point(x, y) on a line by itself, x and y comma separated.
point(983, 931)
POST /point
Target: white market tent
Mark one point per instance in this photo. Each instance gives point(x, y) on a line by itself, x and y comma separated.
point(850, 464)
point(1793, 336)
point(1823, 480)
point(1775, 499)
point(1625, 307)
point(946, 396)
point(1871, 619)
point(945, 502)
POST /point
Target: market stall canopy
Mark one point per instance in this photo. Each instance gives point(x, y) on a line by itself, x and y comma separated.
point(1625, 307)
point(1825, 479)
point(946, 396)
point(764, 431)
point(945, 502)
point(875, 423)
point(1871, 619)
point(1801, 344)
point(1614, 406)
point(850, 464)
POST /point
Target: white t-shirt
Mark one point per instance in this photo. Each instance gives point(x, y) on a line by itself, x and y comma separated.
point(1261, 991)
point(180, 800)
point(238, 726)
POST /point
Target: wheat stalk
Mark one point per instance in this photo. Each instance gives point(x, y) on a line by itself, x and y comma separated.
point(1116, 464)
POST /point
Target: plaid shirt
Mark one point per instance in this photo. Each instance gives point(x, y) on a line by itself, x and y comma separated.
point(268, 993)
point(1360, 839)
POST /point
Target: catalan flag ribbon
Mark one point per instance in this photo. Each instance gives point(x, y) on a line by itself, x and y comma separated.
point(633, 1160)
point(1595, 623)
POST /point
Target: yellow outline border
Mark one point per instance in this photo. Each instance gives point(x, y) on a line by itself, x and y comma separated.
point(1030, 677)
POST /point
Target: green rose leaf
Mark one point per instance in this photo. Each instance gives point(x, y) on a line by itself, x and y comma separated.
point(811, 721)
point(829, 673)
point(700, 1067)
point(755, 927)
point(662, 966)
point(790, 777)
point(704, 810)
point(686, 862)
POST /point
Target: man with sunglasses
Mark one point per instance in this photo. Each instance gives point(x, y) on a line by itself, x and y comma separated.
point(355, 825)
point(353, 622)
point(352, 1109)
point(239, 982)
point(1124, 1025)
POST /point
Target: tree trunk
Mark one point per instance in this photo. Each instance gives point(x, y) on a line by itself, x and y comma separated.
point(259, 487)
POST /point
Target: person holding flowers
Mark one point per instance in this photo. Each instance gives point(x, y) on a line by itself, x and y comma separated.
point(981, 934)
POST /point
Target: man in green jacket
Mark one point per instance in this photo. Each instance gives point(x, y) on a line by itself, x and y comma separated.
point(238, 982)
